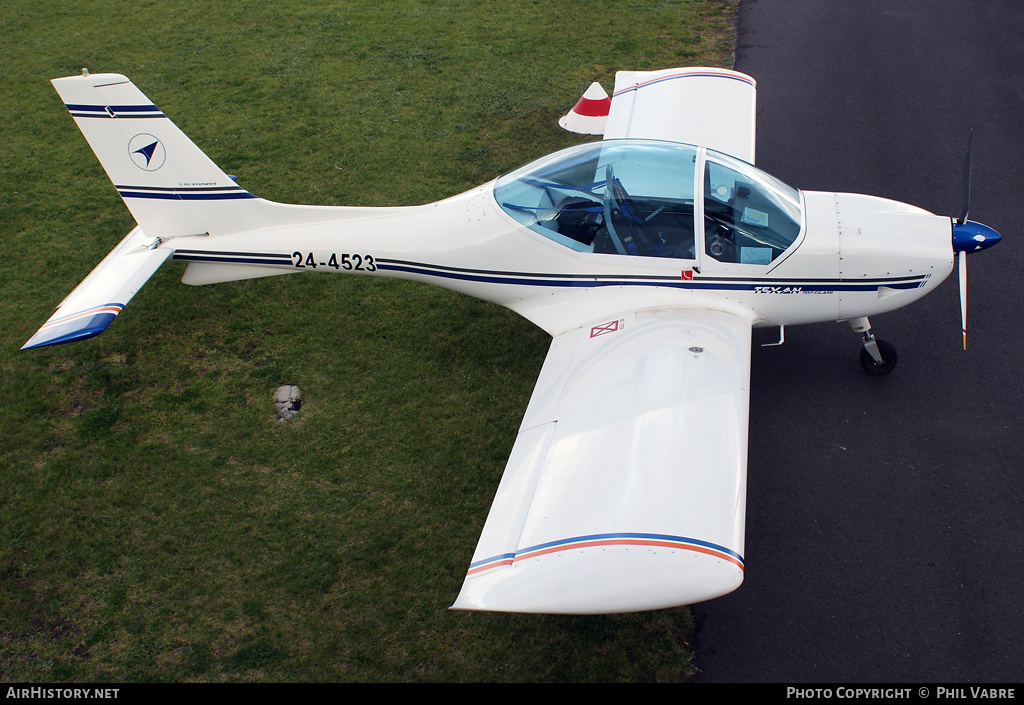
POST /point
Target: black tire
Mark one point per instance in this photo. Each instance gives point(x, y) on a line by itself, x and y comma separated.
point(873, 368)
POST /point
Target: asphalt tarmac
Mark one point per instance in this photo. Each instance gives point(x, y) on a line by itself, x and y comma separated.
point(885, 516)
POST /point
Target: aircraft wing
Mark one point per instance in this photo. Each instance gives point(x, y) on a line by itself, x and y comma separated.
point(709, 107)
point(626, 486)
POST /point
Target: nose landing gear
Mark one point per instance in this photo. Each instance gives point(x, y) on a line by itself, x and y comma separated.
point(877, 357)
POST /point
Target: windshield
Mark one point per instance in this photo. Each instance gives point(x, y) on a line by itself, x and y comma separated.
point(750, 217)
point(624, 197)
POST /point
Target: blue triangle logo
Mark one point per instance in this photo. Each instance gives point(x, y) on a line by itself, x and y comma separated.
point(147, 152)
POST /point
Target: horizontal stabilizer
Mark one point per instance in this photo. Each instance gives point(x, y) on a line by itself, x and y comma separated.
point(94, 303)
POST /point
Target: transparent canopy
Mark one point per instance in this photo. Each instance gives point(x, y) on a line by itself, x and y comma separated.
point(750, 217)
point(636, 198)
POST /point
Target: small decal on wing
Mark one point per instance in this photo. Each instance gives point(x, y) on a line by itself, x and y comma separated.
point(609, 327)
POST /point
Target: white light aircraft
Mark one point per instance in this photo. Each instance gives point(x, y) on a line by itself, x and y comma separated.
point(648, 255)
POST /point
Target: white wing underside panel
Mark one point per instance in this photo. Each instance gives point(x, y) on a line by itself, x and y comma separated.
point(625, 489)
point(714, 108)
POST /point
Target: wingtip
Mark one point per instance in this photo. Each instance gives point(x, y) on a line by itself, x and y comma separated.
point(613, 580)
point(79, 326)
point(37, 341)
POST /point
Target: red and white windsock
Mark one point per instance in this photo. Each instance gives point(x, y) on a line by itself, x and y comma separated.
point(589, 115)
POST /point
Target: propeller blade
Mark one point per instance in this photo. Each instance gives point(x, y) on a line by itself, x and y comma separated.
point(966, 202)
point(962, 267)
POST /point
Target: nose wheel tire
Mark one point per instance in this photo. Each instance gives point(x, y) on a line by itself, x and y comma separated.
point(876, 369)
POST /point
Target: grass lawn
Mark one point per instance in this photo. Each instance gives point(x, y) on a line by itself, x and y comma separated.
point(156, 522)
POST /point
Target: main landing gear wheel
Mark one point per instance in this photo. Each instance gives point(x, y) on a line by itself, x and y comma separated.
point(874, 368)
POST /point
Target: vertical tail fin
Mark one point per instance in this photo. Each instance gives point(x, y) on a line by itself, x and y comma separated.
point(168, 183)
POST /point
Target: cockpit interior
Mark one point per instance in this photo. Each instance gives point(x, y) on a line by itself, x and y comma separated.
point(638, 198)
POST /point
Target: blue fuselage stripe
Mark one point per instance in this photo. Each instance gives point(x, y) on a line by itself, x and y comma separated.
point(232, 260)
point(523, 279)
point(767, 286)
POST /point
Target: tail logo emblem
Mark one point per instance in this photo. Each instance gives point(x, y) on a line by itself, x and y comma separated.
point(147, 152)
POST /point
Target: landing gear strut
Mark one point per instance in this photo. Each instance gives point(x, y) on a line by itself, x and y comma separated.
point(877, 357)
